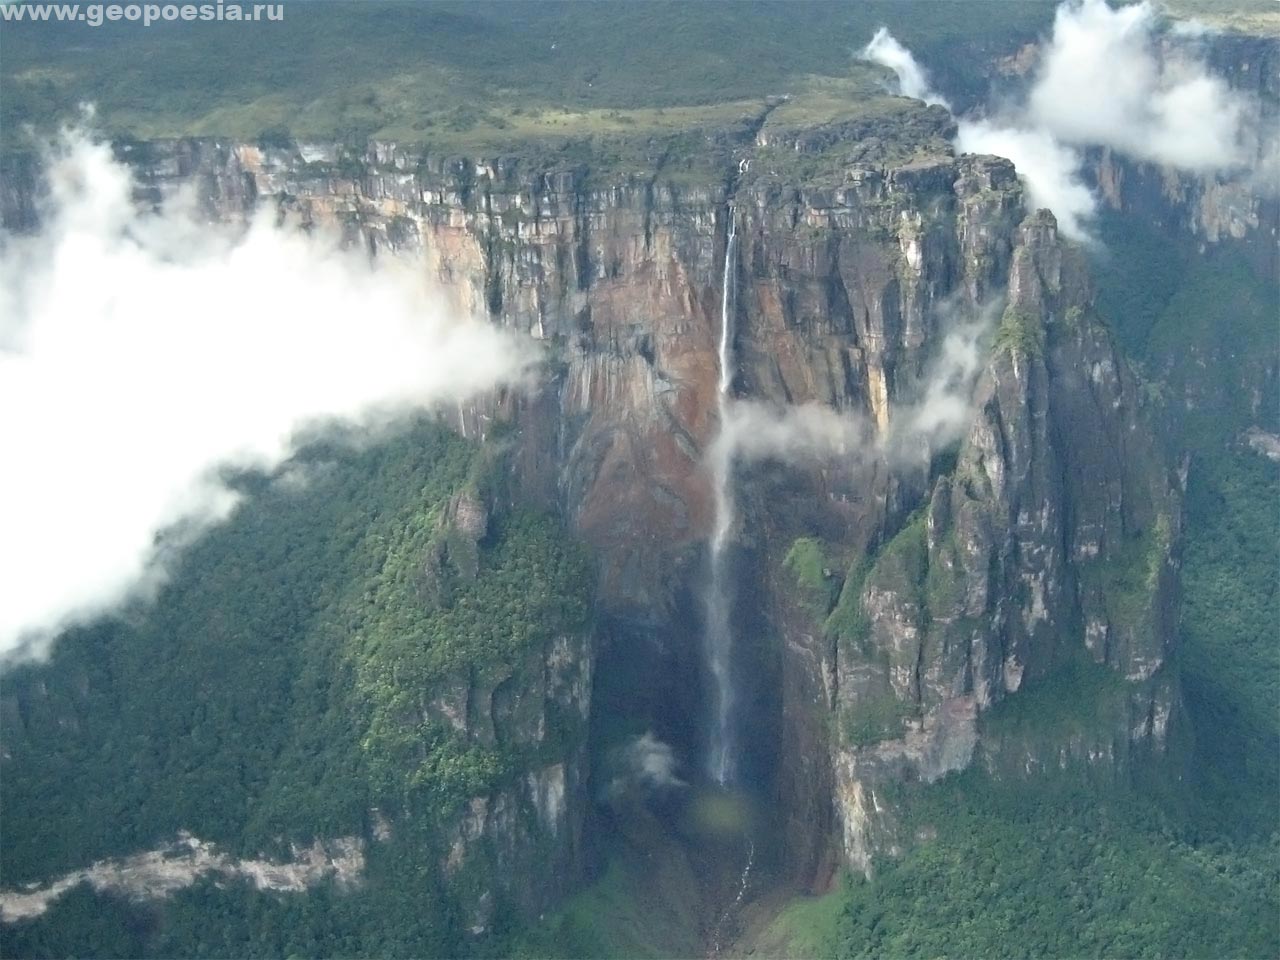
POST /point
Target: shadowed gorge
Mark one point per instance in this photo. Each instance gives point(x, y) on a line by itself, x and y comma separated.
point(813, 545)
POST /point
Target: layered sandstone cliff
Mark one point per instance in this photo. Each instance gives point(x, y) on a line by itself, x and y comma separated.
point(952, 577)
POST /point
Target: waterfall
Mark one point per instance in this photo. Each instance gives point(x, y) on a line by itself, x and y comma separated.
point(719, 638)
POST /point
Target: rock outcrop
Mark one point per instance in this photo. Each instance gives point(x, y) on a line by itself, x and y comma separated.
point(1053, 537)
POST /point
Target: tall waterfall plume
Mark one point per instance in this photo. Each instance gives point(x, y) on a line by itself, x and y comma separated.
point(719, 636)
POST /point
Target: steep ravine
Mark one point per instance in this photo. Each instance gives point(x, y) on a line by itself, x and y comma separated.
point(885, 605)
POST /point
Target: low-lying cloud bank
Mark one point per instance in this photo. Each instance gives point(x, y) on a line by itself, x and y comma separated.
point(143, 354)
point(1103, 80)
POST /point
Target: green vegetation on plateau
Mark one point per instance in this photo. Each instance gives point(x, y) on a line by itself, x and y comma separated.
point(1257, 17)
point(481, 76)
point(495, 76)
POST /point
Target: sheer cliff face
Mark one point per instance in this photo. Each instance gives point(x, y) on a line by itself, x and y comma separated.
point(961, 575)
point(839, 300)
point(1204, 210)
point(1057, 524)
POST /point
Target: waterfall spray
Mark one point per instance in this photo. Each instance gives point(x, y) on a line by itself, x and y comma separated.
point(719, 639)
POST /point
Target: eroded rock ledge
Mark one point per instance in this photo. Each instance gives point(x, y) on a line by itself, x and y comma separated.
point(160, 873)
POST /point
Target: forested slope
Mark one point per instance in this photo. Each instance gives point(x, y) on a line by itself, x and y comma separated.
point(272, 696)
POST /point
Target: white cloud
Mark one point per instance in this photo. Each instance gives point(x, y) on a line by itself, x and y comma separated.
point(938, 417)
point(758, 431)
point(885, 50)
point(1050, 172)
point(1191, 29)
point(140, 354)
point(1103, 81)
point(945, 409)
point(647, 762)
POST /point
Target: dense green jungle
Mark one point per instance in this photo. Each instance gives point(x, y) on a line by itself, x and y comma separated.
point(353, 654)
